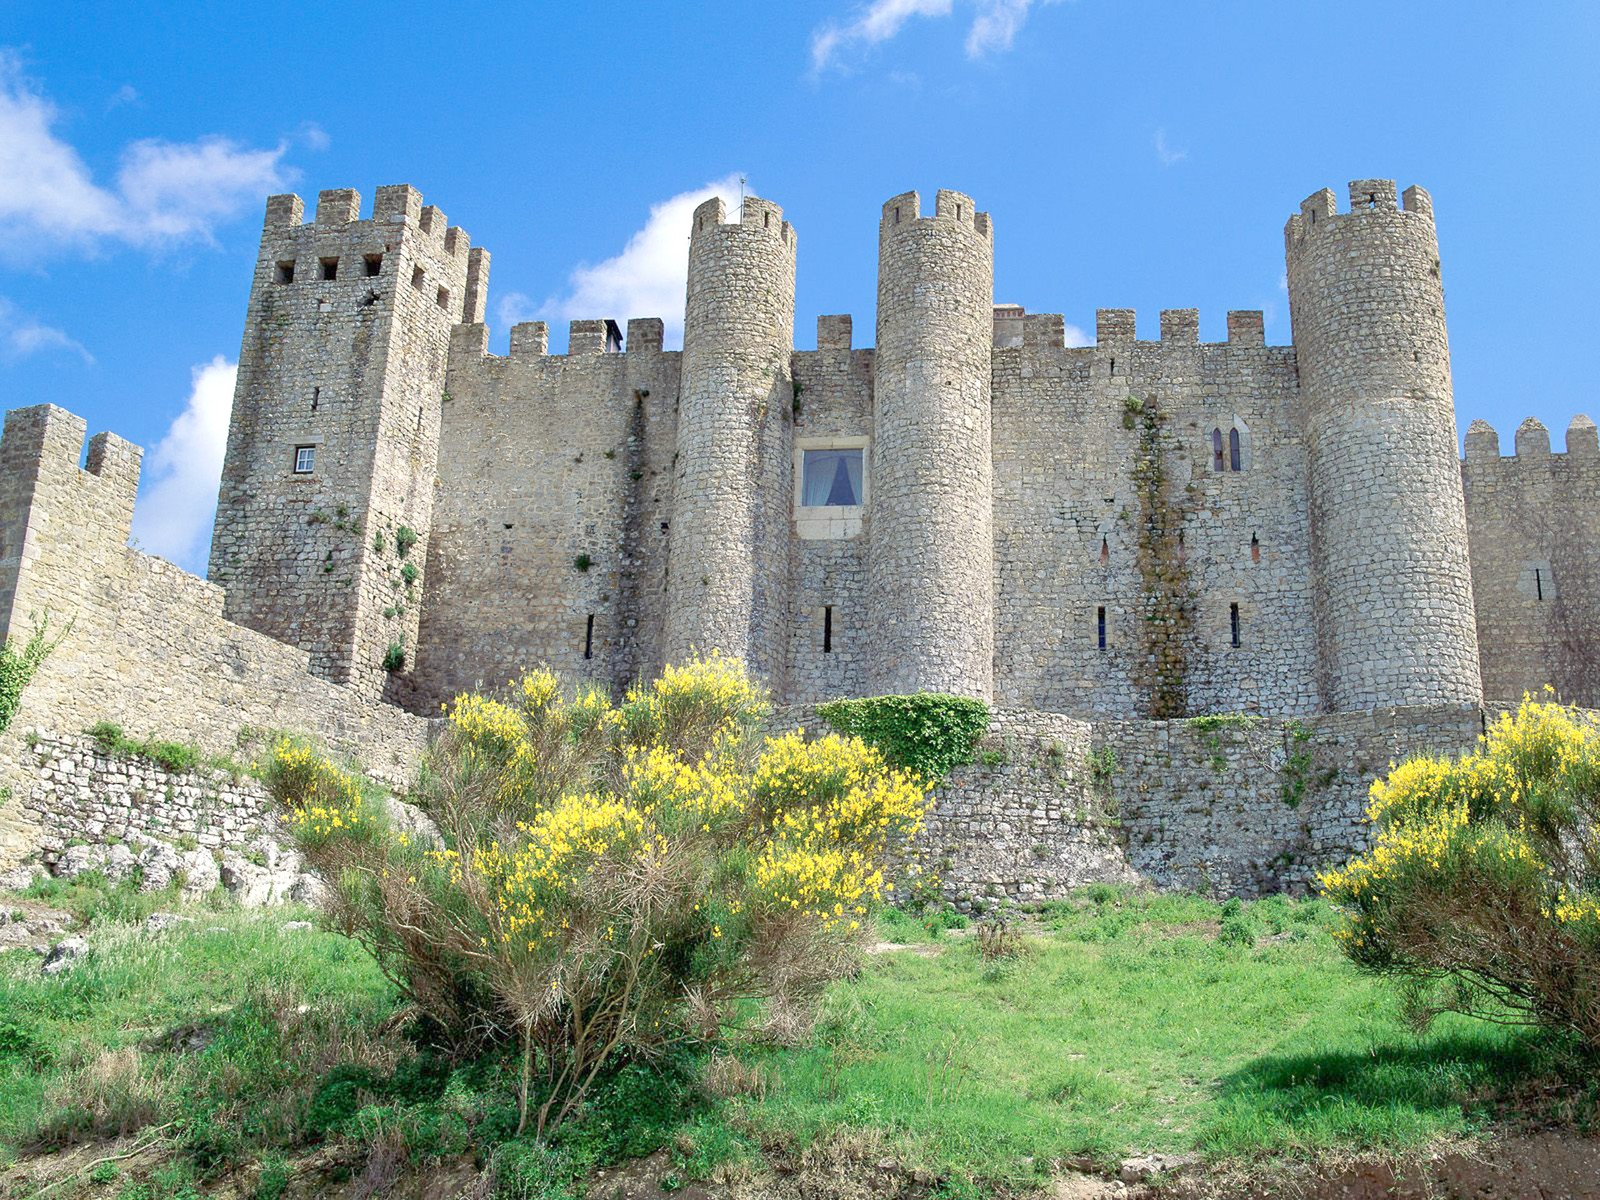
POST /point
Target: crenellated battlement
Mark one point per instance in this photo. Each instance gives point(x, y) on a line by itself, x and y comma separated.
point(1531, 443)
point(1367, 197)
point(39, 455)
point(1179, 327)
point(905, 211)
point(756, 217)
point(338, 214)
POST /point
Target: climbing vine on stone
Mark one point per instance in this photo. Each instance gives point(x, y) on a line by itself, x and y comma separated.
point(1166, 594)
point(18, 665)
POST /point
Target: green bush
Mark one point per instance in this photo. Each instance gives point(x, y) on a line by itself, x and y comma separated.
point(927, 732)
point(394, 658)
point(404, 538)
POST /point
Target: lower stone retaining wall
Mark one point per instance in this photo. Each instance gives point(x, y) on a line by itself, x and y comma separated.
point(82, 794)
point(1231, 806)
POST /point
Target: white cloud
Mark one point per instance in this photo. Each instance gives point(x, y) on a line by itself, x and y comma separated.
point(514, 308)
point(178, 497)
point(994, 26)
point(126, 94)
point(646, 279)
point(165, 192)
point(1166, 153)
point(22, 336)
point(1076, 336)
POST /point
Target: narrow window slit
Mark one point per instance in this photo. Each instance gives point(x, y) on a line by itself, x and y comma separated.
point(1216, 451)
point(1255, 548)
point(1233, 622)
point(588, 638)
point(1235, 457)
point(1538, 584)
point(1105, 551)
point(1101, 623)
point(316, 395)
point(827, 629)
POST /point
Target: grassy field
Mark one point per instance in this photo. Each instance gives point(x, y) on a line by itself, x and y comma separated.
point(1125, 1023)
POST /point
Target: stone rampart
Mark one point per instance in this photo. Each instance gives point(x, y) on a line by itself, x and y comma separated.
point(143, 644)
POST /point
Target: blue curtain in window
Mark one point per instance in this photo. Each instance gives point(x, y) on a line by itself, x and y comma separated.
point(832, 479)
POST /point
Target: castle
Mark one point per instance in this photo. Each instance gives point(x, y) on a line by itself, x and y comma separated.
point(1160, 528)
point(1104, 542)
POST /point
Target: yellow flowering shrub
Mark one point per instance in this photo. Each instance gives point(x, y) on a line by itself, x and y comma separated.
point(1482, 884)
point(614, 877)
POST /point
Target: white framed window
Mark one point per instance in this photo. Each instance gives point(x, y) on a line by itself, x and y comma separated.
point(305, 459)
point(831, 478)
point(831, 486)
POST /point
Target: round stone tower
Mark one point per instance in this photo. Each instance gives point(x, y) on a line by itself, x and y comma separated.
point(727, 562)
point(1391, 582)
point(931, 565)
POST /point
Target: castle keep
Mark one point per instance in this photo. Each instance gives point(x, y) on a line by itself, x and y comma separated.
point(1103, 541)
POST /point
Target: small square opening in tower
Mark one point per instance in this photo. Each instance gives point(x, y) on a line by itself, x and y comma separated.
point(443, 297)
point(283, 272)
point(330, 268)
point(832, 478)
point(373, 264)
point(305, 459)
point(419, 278)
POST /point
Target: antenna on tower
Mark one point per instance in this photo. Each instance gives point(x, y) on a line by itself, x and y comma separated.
point(741, 197)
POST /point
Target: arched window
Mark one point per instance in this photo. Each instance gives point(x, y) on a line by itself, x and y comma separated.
point(1217, 463)
point(1233, 449)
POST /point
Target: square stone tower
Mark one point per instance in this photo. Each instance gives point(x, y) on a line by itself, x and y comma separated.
point(327, 488)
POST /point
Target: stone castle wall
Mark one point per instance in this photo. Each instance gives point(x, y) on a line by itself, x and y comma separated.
point(1533, 519)
point(554, 509)
point(145, 645)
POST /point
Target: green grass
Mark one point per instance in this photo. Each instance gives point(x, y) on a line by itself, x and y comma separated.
point(1128, 1025)
point(1130, 1028)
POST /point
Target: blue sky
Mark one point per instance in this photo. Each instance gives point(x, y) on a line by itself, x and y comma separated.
point(1138, 155)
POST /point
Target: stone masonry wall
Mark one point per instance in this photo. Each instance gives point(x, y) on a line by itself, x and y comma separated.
point(554, 511)
point(1068, 520)
point(1241, 809)
point(1533, 519)
point(146, 645)
point(831, 655)
point(81, 794)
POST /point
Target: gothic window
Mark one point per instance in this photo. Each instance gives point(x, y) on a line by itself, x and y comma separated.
point(1230, 452)
point(832, 479)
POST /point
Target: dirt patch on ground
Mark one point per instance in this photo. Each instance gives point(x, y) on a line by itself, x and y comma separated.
point(855, 1166)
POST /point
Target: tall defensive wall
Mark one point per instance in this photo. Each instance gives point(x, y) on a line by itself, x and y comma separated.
point(1391, 582)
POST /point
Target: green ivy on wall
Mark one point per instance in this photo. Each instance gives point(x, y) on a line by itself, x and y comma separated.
point(927, 732)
